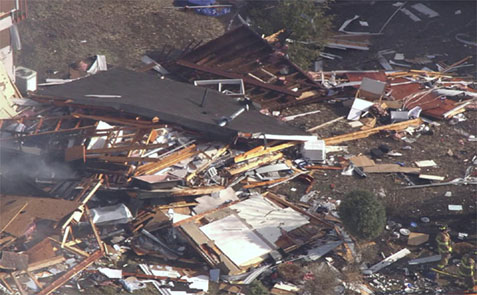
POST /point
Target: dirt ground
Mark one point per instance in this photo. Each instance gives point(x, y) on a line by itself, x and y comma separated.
point(430, 36)
point(59, 32)
point(404, 204)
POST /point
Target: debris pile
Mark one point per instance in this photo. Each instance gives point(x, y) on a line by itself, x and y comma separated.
point(140, 181)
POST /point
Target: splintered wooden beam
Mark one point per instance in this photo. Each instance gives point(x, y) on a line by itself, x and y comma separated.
point(325, 124)
point(71, 273)
point(45, 263)
point(390, 168)
point(174, 158)
point(262, 150)
point(219, 153)
point(95, 230)
point(264, 183)
point(365, 133)
point(80, 151)
point(254, 164)
point(70, 248)
point(35, 279)
point(194, 191)
point(18, 284)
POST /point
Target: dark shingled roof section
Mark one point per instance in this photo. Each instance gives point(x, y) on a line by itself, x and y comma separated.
point(173, 102)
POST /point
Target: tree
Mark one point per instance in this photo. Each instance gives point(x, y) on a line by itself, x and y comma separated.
point(305, 22)
point(362, 214)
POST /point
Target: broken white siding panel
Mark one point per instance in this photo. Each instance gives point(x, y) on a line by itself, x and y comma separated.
point(425, 10)
point(431, 177)
point(111, 273)
point(272, 168)
point(236, 240)
point(267, 218)
point(458, 109)
point(157, 67)
point(452, 92)
point(359, 107)
point(389, 260)
point(340, 44)
point(6, 23)
point(347, 22)
point(221, 82)
point(207, 203)
point(426, 163)
point(410, 14)
point(428, 259)
point(98, 142)
point(99, 64)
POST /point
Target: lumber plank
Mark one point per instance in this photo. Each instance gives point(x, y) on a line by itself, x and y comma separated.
point(45, 263)
point(174, 158)
point(255, 164)
point(194, 191)
point(390, 168)
point(365, 133)
point(262, 150)
point(70, 273)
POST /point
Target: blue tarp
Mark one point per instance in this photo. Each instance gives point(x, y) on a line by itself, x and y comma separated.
point(201, 2)
point(208, 11)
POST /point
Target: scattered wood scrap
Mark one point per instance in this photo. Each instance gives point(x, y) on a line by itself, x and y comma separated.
point(365, 133)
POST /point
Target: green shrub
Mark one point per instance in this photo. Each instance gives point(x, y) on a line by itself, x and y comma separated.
point(257, 288)
point(362, 214)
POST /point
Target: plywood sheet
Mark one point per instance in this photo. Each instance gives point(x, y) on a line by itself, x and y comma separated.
point(41, 208)
point(14, 261)
point(362, 161)
point(390, 168)
point(9, 211)
point(41, 251)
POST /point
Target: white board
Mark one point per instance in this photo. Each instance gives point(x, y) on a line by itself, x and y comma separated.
point(236, 240)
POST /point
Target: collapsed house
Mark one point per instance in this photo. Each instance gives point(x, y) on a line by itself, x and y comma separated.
point(136, 163)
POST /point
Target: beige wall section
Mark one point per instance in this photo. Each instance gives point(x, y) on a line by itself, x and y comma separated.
point(6, 6)
point(6, 57)
point(7, 92)
point(6, 52)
